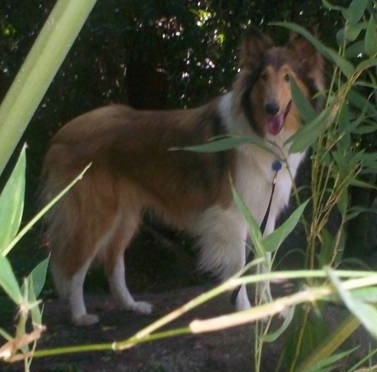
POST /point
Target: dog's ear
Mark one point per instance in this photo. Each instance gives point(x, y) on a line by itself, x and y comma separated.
point(305, 52)
point(253, 46)
point(312, 61)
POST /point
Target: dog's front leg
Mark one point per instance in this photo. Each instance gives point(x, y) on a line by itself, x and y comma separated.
point(222, 237)
point(121, 292)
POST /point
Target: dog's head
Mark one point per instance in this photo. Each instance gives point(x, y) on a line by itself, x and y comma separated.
point(264, 81)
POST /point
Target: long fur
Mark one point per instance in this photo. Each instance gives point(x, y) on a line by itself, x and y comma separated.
point(134, 170)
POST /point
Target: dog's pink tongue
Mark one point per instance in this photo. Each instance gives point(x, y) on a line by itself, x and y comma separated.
point(275, 124)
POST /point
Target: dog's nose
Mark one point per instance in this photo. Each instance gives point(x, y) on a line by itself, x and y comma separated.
point(271, 108)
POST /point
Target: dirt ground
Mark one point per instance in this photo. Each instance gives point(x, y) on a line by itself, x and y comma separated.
point(227, 350)
point(224, 351)
point(166, 278)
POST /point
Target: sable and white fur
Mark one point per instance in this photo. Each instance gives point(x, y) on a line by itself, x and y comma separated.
point(134, 170)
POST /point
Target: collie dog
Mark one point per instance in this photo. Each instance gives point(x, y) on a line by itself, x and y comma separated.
point(134, 170)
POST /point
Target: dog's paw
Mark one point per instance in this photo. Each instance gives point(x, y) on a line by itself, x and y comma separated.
point(85, 320)
point(140, 307)
point(242, 303)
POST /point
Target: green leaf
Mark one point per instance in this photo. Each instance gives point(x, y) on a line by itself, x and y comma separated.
point(357, 210)
point(355, 11)
point(325, 253)
point(330, 363)
point(354, 30)
point(12, 203)
point(368, 294)
point(8, 281)
point(31, 301)
point(5, 335)
point(364, 312)
point(306, 109)
point(32, 288)
point(38, 276)
point(223, 144)
point(365, 129)
point(273, 241)
point(362, 184)
point(309, 133)
point(273, 336)
point(371, 37)
point(355, 49)
point(367, 64)
point(331, 6)
point(343, 202)
point(254, 229)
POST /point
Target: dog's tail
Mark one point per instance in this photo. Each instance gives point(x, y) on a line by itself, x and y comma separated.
point(60, 223)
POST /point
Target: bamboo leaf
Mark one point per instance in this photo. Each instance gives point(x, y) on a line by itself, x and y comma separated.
point(273, 241)
point(367, 64)
point(223, 144)
point(12, 203)
point(368, 294)
point(329, 363)
point(364, 312)
point(8, 281)
point(255, 233)
point(38, 276)
point(288, 317)
point(371, 37)
point(331, 6)
point(308, 134)
point(306, 109)
point(355, 11)
point(355, 49)
point(354, 30)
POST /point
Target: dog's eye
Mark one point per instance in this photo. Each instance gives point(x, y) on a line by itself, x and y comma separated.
point(263, 76)
point(286, 77)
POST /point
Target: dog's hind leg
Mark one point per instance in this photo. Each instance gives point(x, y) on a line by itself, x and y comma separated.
point(70, 287)
point(79, 314)
point(113, 257)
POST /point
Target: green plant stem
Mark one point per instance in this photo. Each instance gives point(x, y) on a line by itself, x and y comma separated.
point(261, 330)
point(28, 88)
point(113, 346)
point(300, 341)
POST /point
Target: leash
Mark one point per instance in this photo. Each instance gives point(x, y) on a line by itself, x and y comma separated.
point(276, 167)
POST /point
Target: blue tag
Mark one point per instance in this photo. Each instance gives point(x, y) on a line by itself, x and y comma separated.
point(276, 165)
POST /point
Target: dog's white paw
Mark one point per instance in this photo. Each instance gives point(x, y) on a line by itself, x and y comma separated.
point(242, 300)
point(85, 320)
point(242, 303)
point(140, 307)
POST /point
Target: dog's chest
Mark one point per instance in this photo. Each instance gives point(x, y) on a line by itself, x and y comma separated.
point(255, 176)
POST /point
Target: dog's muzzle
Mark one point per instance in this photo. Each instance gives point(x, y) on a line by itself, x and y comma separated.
point(276, 123)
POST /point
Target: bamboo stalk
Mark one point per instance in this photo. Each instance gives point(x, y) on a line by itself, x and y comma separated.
point(35, 75)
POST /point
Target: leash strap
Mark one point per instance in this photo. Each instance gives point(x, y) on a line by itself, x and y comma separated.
point(276, 167)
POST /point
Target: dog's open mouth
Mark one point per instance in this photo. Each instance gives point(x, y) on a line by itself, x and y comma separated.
point(276, 123)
